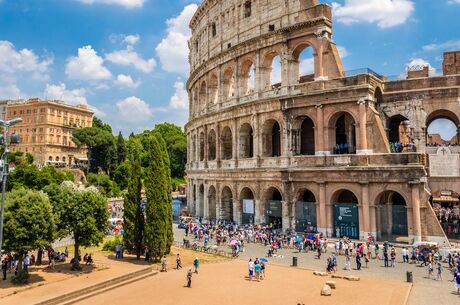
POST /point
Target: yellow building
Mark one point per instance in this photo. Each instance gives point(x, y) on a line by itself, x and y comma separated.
point(46, 130)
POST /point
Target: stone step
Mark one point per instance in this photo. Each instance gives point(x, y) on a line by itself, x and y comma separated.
point(81, 294)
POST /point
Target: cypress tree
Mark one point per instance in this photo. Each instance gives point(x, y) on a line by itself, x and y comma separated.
point(167, 195)
point(133, 215)
point(121, 147)
point(155, 210)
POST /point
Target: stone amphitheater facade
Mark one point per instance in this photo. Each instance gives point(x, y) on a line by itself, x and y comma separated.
point(265, 152)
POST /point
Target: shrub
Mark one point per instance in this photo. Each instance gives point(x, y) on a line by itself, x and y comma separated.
point(110, 244)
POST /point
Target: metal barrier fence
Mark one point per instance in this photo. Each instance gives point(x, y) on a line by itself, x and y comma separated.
point(204, 249)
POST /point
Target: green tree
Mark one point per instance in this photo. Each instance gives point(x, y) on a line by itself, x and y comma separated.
point(29, 158)
point(156, 184)
point(29, 176)
point(176, 145)
point(133, 218)
point(104, 184)
point(86, 220)
point(121, 147)
point(121, 175)
point(99, 143)
point(29, 223)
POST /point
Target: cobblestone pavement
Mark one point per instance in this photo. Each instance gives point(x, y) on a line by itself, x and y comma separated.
point(424, 291)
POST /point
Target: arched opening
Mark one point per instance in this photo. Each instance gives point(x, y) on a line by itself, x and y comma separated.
point(203, 97)
point(442, 129)
point(391, 216)
point(446, 205)
point(346, 219)
point(247, 9)
point(304, 64)
point(213, 89)
point(272, 139)
point(247, 206)
point(193, 146)
point(305, 212)
point(193, 205)
point(274, 208)
point(344, 135)
point(378, 98)
point(247, 78)
point(399, 134)
point(196, 103)
point(227, 144)
point(201, 202)
point(307, 137)
point(226, 207)
point(212, 143)
point(212, 203)
point(271, 71)
point(228, 83)
point(57, 158)
point(246, 141)
point(202, 146)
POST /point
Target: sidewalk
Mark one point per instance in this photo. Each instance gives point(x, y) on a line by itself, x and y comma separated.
point(56, 284)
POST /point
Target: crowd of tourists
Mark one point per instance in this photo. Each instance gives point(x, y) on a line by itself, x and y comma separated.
point(398, 147)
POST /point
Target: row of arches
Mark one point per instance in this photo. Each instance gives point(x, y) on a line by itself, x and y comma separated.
point(245, 78)
point(343, 135)
point(244, 208)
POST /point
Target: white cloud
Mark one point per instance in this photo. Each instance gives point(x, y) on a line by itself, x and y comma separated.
point(10, 92)
point(454, 1)
point(129, 57)
point(87, 66)
point(131, 39)
point(126, 81)
point(60, 92)
point(125, 3)
point(134, 110)
point(386, 13)
point(448, 45)
point(14, 61)
point(180, 98)
point(418, 63)
point(173, 49)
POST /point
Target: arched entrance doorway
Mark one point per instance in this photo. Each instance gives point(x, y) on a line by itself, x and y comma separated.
point(305, 212)
point(226, 206)
point(274, 208)
point(248, 206)
point(212, 203)
point(391, 216)
point(246, 141)
point(346, 219)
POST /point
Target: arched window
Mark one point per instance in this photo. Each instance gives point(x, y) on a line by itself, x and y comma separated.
point(247, 9)
point(272, 139)
point(227, 144)
point(344, 134)
point(307, 137)
point(247, 78)
point(271, 71)
point(226, 212)
point(203, 97)
point(212, 142)
point(202, 146)
point(304, 65)
point(212, 203)
point(442, 129)
point(399, 131)
point(213, 89)
point(228, 83)
point(246, 141)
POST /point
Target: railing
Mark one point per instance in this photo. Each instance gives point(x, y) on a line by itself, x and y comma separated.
point(360, 71)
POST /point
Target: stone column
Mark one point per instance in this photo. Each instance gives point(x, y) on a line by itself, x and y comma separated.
point(236, 140)
point(218, 202)
point(285, 215)
point(206, 202)
point(205, 141)
point(373, 212)
point(320, 150)
point(417, 231)
point(237, 213)
point(218, 146)
point(366, 225)
point(321, 211)
point(363, 148)
point(389, 217)
point(319, 67)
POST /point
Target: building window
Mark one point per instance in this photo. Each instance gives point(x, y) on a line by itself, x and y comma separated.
point(247, 9)
point(214, 29)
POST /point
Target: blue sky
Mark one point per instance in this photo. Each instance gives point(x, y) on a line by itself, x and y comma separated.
point(128, 58)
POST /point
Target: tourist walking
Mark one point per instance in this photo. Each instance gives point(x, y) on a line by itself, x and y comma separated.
point(393, 257)
point(257, 270)
point(385, 256)
point(439, 274)
point(405, 255)
point(347, 263)
point(196, 264)
point(251, 269)
point(189, 277)
point(163, 266)
point(358, 262)
point(4, 267)
point(178, 262)
point(430, 270)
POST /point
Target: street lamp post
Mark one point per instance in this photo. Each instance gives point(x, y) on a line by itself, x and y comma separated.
point(6, 125)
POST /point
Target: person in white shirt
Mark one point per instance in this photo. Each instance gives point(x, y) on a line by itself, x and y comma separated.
point(26, 263)
point(405, 255)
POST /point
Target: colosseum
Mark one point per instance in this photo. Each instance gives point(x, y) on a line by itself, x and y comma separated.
point(302, 144)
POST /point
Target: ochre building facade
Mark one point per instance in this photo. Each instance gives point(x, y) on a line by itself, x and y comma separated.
point(309, 152)
point(46, 130)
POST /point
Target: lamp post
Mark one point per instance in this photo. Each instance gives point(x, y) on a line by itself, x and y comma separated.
point(6, 125)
